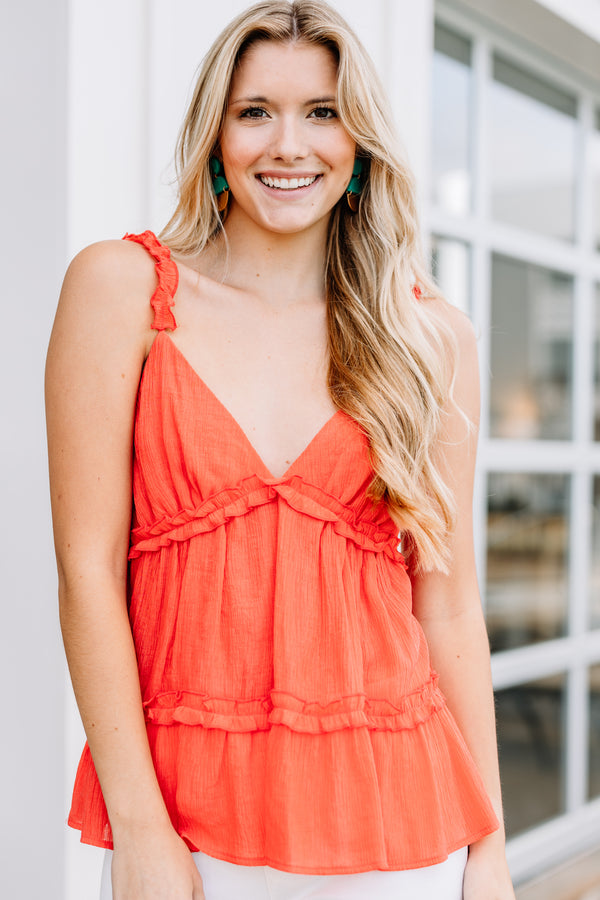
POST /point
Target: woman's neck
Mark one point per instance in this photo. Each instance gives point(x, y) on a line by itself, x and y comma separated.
point(281, 269)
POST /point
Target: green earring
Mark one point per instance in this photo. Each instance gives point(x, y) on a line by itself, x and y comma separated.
point(219, 182)
point(355, 186)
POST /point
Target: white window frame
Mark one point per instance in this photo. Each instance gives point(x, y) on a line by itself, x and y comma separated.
point(578, 828)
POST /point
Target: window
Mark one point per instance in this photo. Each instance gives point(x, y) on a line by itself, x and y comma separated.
point(451, 114)
point(451, 265)
point(531, 748)
point(515, 242)
point(531, 351)
point(527, 546)
point(532, 145)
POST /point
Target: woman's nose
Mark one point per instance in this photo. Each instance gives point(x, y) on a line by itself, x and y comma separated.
point(289, 141)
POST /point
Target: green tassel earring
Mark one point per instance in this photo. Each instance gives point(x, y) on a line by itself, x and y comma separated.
point(219, 182)
point(355, 186)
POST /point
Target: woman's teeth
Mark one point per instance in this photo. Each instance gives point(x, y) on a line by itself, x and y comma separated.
point(287, 184)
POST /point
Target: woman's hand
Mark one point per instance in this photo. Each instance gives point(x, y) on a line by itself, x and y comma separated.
point(486, 874)
point(154, 866)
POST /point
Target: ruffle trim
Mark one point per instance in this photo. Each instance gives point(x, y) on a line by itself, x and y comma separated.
point(283, 708)
point(352, 800)
point(168, 279)
point(254, 491)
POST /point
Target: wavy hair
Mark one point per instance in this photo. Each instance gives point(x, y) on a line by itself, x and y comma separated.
point(391, 360)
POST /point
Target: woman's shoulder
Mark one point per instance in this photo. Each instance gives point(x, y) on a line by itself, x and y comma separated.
point(454, 320)
point(112, 281)
point(116, 264)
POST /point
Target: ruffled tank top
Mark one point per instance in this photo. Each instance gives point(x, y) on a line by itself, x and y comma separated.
point(292, 712)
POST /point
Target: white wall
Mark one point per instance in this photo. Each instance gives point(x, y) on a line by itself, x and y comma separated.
point(32, 253)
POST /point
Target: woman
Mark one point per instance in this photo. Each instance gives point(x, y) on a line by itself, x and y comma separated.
point(274, 682)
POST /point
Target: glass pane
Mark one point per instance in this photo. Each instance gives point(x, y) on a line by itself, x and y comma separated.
point(597, 367)
point(451, 100)
point(532, 147)
point(595, 574)
point(530, 720)
point(531, 351)
point(594, 783)
point(527, 535)
point(595, 158)
point(450, 262)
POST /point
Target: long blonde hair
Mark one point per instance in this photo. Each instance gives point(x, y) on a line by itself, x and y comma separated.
point(391, 362)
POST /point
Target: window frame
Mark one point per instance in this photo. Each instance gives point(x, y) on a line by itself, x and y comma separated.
point(577, 457)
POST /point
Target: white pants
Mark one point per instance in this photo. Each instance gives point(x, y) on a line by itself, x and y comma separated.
point(227, 881)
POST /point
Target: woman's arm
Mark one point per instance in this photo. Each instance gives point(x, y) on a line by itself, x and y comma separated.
point(449, 610)
point(97, 349)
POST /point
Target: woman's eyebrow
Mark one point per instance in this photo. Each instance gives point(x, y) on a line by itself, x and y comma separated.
point(250, 100)
point(315, 100)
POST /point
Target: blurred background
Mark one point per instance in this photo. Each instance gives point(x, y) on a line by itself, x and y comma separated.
point(498, 105)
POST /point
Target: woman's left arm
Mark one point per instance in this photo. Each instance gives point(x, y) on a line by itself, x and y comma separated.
point(449, 610)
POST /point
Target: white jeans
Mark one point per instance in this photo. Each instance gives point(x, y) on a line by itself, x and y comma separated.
point(227, 881)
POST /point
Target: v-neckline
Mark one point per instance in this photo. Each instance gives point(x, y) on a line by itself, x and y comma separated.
point(183, 358)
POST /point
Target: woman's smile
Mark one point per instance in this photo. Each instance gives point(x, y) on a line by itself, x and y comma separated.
point(288, 187)
point(288, 182)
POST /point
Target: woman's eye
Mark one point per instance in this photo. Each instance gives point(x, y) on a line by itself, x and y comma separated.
point(324, 112)
point(253, 112)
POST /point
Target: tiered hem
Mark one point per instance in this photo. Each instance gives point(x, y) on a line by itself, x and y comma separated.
point(270, 796)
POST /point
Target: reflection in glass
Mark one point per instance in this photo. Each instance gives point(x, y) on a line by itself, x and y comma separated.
point(527, 538)
point(532, 145)
point(595, 573)
point(451, 77)
point(451, 269)
point(594, 779)
point(595, 162)
point(531, 351)
point(597, 367)
point(531, 750)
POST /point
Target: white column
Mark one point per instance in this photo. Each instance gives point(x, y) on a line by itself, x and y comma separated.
point(107, 176)
point(407, 76)
point(108, 110)
point(32, 249)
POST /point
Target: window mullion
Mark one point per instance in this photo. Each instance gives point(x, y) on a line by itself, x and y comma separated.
point(577, 730)
point(480, 282)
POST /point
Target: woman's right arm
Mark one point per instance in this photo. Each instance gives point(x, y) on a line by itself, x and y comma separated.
point(100, 339)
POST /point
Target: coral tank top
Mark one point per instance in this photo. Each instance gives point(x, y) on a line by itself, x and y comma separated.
point(292, 713)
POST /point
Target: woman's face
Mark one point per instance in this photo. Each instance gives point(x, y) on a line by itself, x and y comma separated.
point(286, 155)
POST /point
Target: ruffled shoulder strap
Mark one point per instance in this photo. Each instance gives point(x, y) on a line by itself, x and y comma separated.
point(168, 279)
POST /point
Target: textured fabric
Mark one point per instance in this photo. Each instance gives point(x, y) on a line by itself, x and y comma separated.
point(223, 880)
point(293, 715)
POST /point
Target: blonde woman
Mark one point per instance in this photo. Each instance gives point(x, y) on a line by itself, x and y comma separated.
point(262, 431)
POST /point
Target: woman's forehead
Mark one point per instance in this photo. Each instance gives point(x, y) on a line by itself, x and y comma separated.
point(272, 66)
